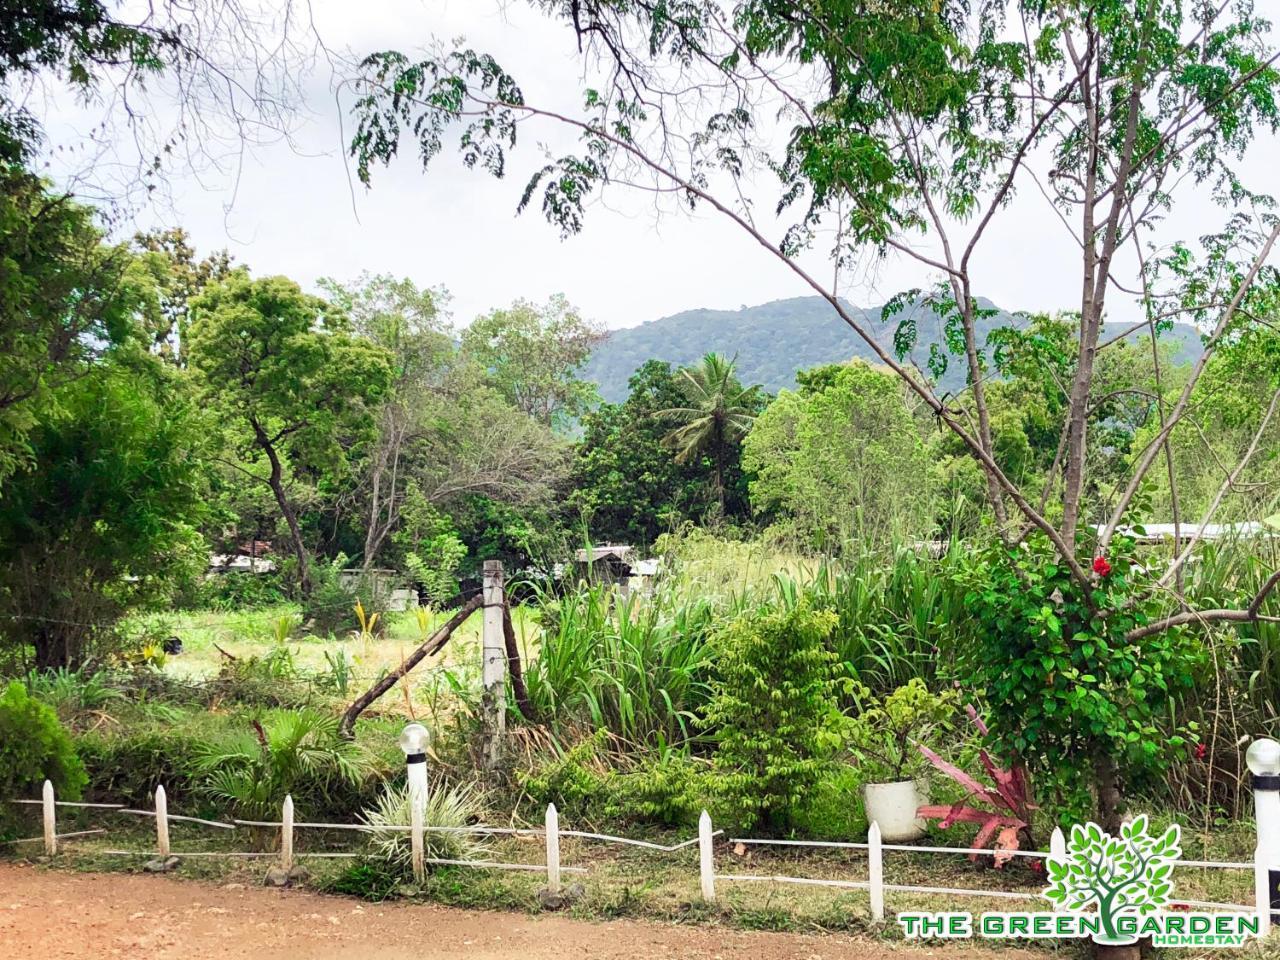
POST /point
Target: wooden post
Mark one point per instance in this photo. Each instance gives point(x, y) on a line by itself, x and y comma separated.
point(50, 809)
point(875, 872)
point(162, 822)
point(286, 834)
point(494, 667)
point(706, 860)
point(553, 849)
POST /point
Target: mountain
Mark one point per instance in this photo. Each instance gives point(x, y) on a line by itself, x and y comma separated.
point(774, 340)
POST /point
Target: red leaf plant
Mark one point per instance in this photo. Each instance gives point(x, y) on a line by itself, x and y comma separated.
point(1007, 823)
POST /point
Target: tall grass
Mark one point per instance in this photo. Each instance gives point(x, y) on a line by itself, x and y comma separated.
point(635, 666)
point(901, 615)
point(640, 666)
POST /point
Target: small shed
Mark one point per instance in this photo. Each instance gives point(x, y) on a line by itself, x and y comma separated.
point(608, 563)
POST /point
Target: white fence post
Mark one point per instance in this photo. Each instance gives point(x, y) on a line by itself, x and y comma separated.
point(416, 841)
point(1263, 760)
point(413, 741)
point(162, 822)
point(1057, 851)
point(706, 860)
point(50, 810)
point(875, 872)
point(286, 834)
point(553, 849)
point(493, 647)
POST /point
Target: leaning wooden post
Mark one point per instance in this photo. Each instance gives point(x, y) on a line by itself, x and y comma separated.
point(162, 822)
point(706, 860)
point(286, 834)
point(553, 849)
point(49, 807)
point(875, 872)
point(494, 668)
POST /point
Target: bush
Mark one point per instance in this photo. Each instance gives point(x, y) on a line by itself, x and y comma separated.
point(126, 767)
point(237, 590)
point(297, 753)
point(35, 747)
point(331, 607)
point(575, 781)
point(774, 712)
point(834, 808)
point(453, 807)
point(671, 790)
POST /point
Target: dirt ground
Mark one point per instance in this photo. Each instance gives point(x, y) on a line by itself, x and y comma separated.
point(68, 916)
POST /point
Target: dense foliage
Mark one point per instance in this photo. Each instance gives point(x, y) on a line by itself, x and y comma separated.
point(35, 747)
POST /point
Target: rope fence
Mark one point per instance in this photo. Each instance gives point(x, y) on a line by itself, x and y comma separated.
point(551, 834)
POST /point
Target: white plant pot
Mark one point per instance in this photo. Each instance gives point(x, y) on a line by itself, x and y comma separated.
point(893, 806)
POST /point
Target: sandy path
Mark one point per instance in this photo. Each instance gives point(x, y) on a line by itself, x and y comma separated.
point(55, 914)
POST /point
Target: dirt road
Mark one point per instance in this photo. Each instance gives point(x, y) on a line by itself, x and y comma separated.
point(56, 915)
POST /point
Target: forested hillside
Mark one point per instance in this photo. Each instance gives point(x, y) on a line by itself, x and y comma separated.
point(773, 340)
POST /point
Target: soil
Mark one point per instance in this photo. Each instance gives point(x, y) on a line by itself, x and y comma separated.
point(49, 914)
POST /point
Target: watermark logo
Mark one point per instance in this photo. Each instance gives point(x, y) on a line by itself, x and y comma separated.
point(1113, 890)
point(1125, 876)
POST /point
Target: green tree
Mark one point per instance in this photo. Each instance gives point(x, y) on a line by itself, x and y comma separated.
point(105, 517)
point(841, 459)
point(625, 483)
point(533, 355)
point(170, 258)
point(911, 127)
point(716, 414)
point(65, 299)
point(293, 386)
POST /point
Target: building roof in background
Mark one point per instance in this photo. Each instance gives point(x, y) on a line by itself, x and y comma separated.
point(608, 551)
point(1154, 532)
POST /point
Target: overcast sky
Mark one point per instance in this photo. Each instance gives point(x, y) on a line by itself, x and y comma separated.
point(296, 209)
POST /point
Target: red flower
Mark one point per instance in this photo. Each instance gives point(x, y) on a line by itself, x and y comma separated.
point(1101, 567)
point(1201, 751)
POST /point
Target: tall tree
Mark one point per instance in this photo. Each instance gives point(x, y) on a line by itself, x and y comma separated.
point(65, 299)
point(716, 414)
point(626, 486)
point(105, 517)
point(841, 459)
point(533, 354)
point(407, 322)
point(179, 277)
point(922, 120)
point(292, 383)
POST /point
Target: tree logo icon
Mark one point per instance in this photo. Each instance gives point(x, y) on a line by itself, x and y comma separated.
point(1126, 876)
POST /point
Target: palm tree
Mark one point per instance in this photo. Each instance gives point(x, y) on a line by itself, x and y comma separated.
point(718, 414)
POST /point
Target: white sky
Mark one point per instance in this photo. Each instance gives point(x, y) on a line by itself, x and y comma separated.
point(297, 209)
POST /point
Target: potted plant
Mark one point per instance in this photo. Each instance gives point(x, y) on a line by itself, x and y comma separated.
point(883, 742)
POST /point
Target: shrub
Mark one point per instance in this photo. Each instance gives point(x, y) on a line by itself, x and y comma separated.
point(237, 590)
point(671, 790)
point(885, 734)
point(575, 781)
point(331, 608)
point(298, 753)
point(35, 747)
point(126, 766)
point(450, 808)
point(833, 809)
point(774, 712)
